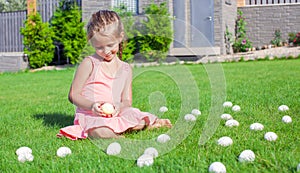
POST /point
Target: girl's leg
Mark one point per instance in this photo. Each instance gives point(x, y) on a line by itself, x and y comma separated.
point(140, 126)
point(160, 123)
point(102, 132)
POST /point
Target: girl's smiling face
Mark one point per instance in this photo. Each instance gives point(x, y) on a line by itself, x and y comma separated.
point(105, 32)
point(105, 46)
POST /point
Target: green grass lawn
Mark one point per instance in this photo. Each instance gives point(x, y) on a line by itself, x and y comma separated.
point(34, 106)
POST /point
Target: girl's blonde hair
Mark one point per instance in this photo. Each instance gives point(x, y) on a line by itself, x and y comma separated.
point(106, 23)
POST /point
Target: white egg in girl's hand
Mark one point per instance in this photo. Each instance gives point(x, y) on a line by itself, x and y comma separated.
point(113, 149)
point(232, 123)
point(217, 167)
point(227, 104)
point(283, 108)
point(108, 108)
point(189, 117)
point(163, 138)
point(163, 109)
point(286, 119)
point(225, 141)
point(236, 108)
point(247, 156)
point(226, 117)
point(196, 112)
point(145, 160)
point(23, 150)
point(271, 136)
point(63, 151)
point(151, 151)
point(256, 126)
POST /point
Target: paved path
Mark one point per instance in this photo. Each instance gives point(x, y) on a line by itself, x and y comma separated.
point(253, 55)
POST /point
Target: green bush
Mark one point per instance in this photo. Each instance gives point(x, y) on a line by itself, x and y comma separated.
point(241, 43)
point(69, 30)
point(155, 34)
point(277, 41)
point(292, 36)
point(38, 44)
point(296, 41)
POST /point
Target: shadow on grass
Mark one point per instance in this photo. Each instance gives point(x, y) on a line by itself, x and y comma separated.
point(56, 119)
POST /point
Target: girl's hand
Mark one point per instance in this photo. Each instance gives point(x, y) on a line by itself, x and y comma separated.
point(96, 108)
point(106, 110)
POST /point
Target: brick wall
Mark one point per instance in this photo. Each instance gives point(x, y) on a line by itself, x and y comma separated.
point(225, 15)
point(262, 21)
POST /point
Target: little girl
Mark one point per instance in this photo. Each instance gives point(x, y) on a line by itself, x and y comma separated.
point(104, 78)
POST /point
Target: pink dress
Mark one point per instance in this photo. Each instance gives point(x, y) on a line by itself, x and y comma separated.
point(100, 87)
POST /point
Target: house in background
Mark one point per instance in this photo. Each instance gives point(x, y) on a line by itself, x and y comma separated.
point(199, 25)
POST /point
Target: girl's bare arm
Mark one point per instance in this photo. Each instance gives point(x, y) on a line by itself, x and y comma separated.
point(82, 74)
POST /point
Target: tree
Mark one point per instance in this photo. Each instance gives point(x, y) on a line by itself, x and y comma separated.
point(156, 33)
point(12, 5)
point(38, 44)
point(69, 30)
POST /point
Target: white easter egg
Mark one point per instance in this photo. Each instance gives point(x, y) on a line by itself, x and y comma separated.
point(145, 160)
point(22, 158)
point(23, 150)
point(163, 138)
point(108, 108)
point(236, 108)
point(189, 117)
point(232, 123)
point(163, 109)
point(271, 136)
point(63, 151)
point(283, 108)
point(226, 117)
point(29, 157)
point(247, 156)
point(217, 167)
point(227, 104)
point(113, 149)
point(151, 151)
point(286, 119)
point(225, 141)
point(256, 126)
point(196, 112)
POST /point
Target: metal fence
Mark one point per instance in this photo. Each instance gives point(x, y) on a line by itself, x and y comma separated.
point(270, 2)
point(10, 37)
point(12, 22)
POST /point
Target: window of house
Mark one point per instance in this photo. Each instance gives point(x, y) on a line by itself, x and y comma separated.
point(132, 5)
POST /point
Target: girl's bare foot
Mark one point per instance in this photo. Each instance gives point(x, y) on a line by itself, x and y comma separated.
point(160, 123)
